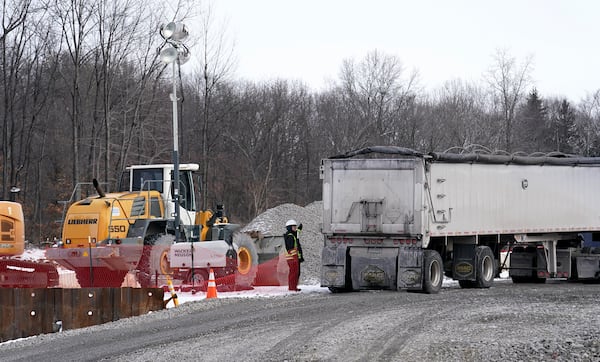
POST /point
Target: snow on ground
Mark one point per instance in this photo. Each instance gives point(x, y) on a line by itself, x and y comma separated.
point(256, 292)
point(271, 292)
point(33, 254)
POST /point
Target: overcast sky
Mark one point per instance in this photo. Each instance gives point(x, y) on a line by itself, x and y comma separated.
point(443, 39)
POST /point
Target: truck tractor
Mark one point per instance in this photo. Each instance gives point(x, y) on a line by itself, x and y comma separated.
point(105, 236)
point(15, 272)
point(395, 218)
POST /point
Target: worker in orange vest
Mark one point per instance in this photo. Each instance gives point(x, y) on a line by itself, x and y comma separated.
point(293, 253)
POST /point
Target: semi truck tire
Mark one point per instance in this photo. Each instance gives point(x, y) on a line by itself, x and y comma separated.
point(485, 267)
point(153, 261)
point(433, 272)
point(247, 260)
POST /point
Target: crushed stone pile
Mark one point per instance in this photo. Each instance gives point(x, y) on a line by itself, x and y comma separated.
point(272, 223)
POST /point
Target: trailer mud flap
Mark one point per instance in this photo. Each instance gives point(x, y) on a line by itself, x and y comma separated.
point(410, 265)
point(373, 268)
point(588, 267)
point(333, 270)
point(463, 266)
point(333, 276)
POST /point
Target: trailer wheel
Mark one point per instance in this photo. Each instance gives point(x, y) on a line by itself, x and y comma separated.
point(153, 261)
point(485, 267)
point(199, 278)
point(433, 272)
point(247, 259)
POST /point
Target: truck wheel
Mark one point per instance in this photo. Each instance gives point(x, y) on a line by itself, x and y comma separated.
point(154, 261)
point(433, 272)
point(485, 267)
point(247, 259)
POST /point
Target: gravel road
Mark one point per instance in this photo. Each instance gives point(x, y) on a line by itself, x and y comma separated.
point(524, 322)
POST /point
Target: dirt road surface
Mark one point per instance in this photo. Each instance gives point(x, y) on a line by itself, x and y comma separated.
point(524, 322)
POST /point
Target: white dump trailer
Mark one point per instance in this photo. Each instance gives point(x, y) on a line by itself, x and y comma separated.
point(403, 221)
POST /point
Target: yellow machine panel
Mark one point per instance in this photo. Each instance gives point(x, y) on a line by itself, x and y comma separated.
point(12, 229)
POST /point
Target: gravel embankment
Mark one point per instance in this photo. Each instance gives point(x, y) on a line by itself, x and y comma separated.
point(272, 223)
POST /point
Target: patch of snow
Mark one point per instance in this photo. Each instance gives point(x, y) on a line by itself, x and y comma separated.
point(256, 292)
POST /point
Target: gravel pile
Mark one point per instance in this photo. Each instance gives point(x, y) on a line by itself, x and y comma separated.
point(272, 223)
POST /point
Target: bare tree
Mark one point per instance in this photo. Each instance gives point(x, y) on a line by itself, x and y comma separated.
point(457, 116)
point(376, 93)
point(587, 126)
point(217, 62)
point(508, 81)
point(75, 20)
point(12, 46)
point(127, 38)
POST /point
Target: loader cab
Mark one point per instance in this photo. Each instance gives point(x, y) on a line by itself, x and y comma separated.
point(160, 178)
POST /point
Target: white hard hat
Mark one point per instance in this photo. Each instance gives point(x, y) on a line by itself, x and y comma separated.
point(291, 222)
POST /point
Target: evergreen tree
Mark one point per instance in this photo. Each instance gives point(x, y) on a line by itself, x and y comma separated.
point(534, 133)
point(562, 125)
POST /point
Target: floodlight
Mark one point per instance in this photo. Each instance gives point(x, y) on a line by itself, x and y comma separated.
point(168, 55)
point(174, 31)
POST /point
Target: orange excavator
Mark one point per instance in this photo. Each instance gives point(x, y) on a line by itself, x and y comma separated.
point(14, 271)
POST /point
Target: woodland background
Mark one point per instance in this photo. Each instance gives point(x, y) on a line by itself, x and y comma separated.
point(83, 94)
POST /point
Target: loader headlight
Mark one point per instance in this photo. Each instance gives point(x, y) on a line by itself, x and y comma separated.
point(68, 241)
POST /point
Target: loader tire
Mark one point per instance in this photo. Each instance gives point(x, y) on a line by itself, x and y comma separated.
point(153, 266)
point(247, 260)
point(433, 272)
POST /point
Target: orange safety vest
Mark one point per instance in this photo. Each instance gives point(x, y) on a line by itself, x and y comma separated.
point(294, 252)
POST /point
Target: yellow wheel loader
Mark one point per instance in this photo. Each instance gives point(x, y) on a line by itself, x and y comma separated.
point(105, 236)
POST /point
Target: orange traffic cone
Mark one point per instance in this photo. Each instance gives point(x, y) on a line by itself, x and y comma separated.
point(211, 291)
